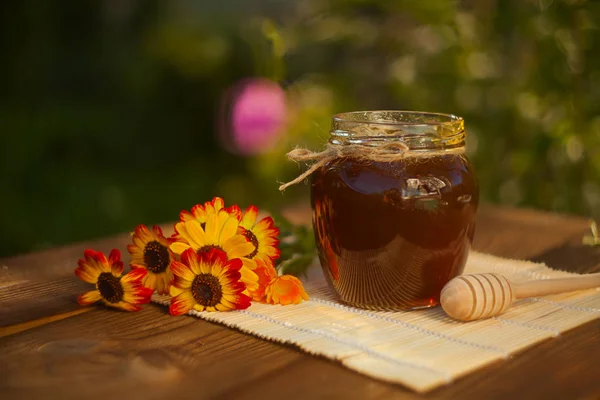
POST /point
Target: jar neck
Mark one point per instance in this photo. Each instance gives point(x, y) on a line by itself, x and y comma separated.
point(419, 131)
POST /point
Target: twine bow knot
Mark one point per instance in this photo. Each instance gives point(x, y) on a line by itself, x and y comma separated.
point(384, 152)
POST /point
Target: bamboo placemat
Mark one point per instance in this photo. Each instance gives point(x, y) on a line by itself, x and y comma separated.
point(418, 349)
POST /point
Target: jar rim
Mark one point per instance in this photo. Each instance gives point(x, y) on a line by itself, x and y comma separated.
point(382, 117)
point(416, 129)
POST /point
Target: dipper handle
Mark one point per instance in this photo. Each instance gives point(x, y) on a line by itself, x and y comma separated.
point(478, 296)
point(544, 287)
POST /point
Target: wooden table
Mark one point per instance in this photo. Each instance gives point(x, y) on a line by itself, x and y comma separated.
point(52, 348)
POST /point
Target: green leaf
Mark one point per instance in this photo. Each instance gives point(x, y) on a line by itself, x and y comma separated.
point(297, 265)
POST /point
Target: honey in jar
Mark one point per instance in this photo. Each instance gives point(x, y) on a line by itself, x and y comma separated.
point(392, 230)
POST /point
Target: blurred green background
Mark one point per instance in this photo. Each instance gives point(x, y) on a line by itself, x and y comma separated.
point(110, 110)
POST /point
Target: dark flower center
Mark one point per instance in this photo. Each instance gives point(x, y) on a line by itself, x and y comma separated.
point(252, 238)
point(110, 287)
point(156, 257)
point(209, 247)
point(207, 290)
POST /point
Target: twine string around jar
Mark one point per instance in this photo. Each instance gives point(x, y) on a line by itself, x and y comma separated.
point(384, 150)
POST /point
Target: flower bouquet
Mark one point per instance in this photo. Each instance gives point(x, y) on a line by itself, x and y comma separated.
point(217, 259)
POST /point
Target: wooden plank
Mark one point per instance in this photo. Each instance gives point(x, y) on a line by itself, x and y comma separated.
point(562, 368)
point(312, 378)
point(153, 355)
point(147, 354)
point(34, 323)
point(35, 299)
point(526, 234)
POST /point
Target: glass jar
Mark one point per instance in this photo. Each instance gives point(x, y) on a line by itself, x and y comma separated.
point(390, 234)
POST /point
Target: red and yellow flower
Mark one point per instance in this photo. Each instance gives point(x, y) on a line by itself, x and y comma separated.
point(264, 235)
point(285, 289)
point(124, 292)
point(150, 251)
point(220, 231)
point(207, 281)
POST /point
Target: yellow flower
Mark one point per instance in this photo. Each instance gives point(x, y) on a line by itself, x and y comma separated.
point(286, 289)
point(207, 282)
point(123, 292)
point(264, 235)
point(150, 251)
point(219, 232)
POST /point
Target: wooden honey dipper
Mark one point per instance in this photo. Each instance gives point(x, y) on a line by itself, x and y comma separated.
point(479, 296)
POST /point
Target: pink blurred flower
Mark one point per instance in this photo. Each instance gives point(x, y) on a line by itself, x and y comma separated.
point(255, 116)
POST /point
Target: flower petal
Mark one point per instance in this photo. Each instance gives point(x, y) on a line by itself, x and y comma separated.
point(249, 217)
point(182, 271)
point(234, 211)
point(138, 242)
point(182, 303)
point(233, 242)
point(179, 247)
point(162, 284)
point(95, 259)
point(143, 233)
point(157, 231)
point(149, 280)
point(222, 307)
point(236, 302)
point(192, 260)
point(137, 294)
point(218, 203)
point(266, 272)
point(161, 281)
point(239, 250)
point(134, 250)
point(186, 216)
point(248, 263)
point(214, 256)
point(249, 278)
point(218, 268)
point(268, 255)
point(134, 276)
point(235, 264)
point(197, 234)
point(265, 223)
point(212, 229)
point(175, 291)
point(182, 234)
point(199, 213)
point(87, 273)
point(123, 305)
point(230, 226)
point(242, 302)
point(114, 256)
point(117, 268)
point(213, 207)
point(181, 282)
point(96, 256)
point(89, 297)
